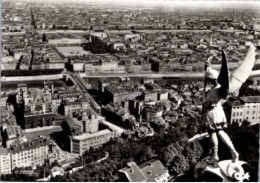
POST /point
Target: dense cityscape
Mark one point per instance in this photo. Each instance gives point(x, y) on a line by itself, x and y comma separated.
point(112, 92)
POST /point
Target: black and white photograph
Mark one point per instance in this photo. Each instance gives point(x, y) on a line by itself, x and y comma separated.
point(130, 91)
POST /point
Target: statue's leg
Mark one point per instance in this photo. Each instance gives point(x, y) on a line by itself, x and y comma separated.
point(225, 138)
point(214, 142)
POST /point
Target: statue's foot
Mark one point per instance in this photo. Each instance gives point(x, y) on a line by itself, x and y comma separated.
point(235, 156)
point(213, 160)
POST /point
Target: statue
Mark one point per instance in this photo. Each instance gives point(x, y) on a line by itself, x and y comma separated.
point(213, 114)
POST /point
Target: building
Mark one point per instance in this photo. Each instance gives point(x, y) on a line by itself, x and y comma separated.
point(69, 51)
point(163, 95)
point(91, 123)
point(132, 37)
point(83, 142)
point(136, 107)
point(243, 109)
point(5, 161)
point(104, 82)
point(64, 41)
point(30, 153)
point(71, 107)
point(117, 93)
point(104, 67)
point(10, 131)
point(150, 171)
point(251, 109)
point(150, 95)
point(152, 112)
point(41, 120)
point(256, 27)
point(119, 115)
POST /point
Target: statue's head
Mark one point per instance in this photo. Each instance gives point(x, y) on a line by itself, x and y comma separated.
point(212, 76)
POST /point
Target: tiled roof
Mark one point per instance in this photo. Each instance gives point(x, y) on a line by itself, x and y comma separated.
point(146, 172)
point(153, 169)
point(133, 173)
point(37, 142)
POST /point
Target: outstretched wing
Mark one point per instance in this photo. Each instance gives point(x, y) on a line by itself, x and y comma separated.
point(241, 74)
point(223, 78)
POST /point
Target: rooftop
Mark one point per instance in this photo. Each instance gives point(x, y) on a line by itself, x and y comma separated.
point(72, 50)
point(153, 169)
point(4, 151)
point(251, 99)
point(34, 143)
point(133, 173)
point(146, 172)
point(91, 135)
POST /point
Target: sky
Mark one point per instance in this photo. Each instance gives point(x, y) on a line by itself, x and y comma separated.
point(186, 3)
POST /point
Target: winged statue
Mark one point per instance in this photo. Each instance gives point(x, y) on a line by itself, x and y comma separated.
point(222, 85)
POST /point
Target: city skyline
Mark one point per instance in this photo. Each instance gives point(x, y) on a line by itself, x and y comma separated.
point(130, 91)
point(165, 3)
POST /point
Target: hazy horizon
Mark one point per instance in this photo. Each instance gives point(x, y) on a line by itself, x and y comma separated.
point(152, 3)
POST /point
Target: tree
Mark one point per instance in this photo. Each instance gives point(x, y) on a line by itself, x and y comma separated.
point(167, 156)
point(149, 152)
point(179, 165)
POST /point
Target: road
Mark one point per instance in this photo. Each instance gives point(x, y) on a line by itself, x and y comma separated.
point(146, 75)
point(119, 130)
point(102, 159)
point(255, 73)
point(106, 31)
point(113, 31)
point(84, 88)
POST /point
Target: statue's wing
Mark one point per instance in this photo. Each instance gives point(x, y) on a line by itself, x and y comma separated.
point(241, 74)
point(223, 78)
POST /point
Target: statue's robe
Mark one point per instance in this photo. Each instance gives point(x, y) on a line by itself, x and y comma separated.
point(215, 118)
